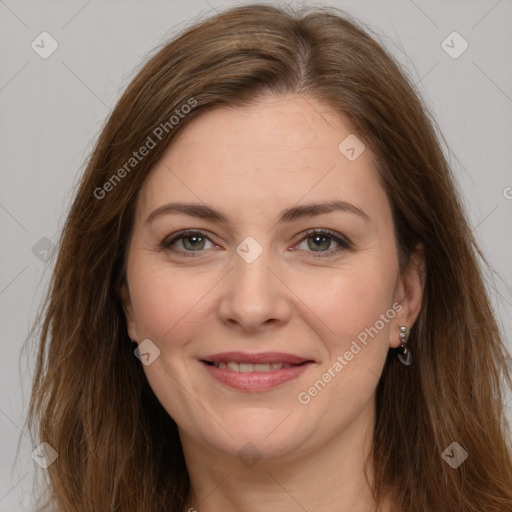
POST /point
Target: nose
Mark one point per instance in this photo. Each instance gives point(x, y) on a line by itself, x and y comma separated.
point(254, 296)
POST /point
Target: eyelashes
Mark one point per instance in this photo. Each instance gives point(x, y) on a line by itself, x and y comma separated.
point(321, 235)
point(196, 240)
point(186, 235)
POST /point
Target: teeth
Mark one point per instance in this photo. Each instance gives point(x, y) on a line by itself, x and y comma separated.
point(248, 367)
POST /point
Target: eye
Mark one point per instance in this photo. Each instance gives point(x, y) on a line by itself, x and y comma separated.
point(320, 241)
point(191, 243)
point(187, 242)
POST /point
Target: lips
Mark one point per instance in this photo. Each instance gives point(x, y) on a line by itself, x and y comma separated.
point(264, 358)
point(250, 367)
point(255, 372)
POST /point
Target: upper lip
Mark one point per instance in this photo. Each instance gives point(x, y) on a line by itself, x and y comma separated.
point(261, 358)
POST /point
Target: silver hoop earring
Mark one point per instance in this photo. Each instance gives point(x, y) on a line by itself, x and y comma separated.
point(404, 355)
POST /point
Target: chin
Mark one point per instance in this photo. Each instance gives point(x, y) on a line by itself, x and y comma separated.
point(258, 432)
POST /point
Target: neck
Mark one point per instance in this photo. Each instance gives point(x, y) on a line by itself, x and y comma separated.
point(328, 477)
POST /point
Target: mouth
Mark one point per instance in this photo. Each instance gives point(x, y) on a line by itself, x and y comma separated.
point(235, 366)
point(255, 372)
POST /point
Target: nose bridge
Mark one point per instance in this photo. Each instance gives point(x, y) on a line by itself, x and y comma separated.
point(253, 294)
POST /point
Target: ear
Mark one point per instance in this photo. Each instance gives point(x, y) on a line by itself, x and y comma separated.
point(128, 311)
point(409, 293)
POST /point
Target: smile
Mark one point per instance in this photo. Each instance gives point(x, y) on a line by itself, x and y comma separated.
point(248, 367)
point(255, 372)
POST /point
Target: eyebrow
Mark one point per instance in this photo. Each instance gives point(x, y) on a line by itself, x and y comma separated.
point(288, 215)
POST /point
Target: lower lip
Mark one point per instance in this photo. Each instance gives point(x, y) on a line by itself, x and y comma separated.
point(256, 381)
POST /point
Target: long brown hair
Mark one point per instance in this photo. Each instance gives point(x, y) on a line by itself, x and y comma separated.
point(118, 448)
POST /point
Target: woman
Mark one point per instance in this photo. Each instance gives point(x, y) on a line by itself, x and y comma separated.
point(268, 216)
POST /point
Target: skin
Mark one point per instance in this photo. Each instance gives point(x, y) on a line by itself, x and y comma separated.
point(251, 163)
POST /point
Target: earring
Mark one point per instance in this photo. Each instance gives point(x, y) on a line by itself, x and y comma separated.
point(404, 355)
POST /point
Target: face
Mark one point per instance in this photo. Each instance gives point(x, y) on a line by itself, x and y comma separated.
point(272, 317)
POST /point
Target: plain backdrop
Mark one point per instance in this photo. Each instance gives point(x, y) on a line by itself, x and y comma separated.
point(52, 110)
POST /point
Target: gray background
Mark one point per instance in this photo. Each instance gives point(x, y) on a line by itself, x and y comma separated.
point(53, 109)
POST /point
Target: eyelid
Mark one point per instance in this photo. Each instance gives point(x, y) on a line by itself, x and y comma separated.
point(175, 237)
point(340, 239)
point(343, 242)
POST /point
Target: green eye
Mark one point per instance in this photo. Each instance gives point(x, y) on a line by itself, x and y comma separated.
point(193, 242)
point(318, 242)
point(190, 241)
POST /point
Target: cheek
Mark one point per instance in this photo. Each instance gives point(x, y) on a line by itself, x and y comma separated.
point(338, 304)
point(169, 308)
point(354, 312)
point(349, 300)
point(165, 299)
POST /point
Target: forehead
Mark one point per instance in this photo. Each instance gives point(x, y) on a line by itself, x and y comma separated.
point(275, 152)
